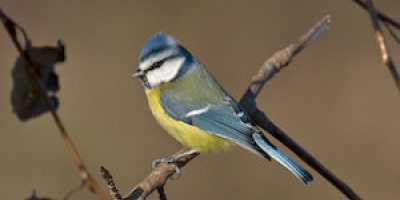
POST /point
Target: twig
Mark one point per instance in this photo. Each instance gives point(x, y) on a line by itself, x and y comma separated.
point(158, 177)
point(161, 193)
point(270, 68)
point(264, 122)
point(74, 190)
point(386, 58)
point(112, 188)
point(380, 15)
point(392, 33)
point(280, 60)
point(10, 26)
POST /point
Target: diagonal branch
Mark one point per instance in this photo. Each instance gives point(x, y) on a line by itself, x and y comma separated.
point(280, 60)
point(392, 33)
point(264, 122)
point(112, 188)
point(386, 58)
point(11, 28)
point(270, 68)
point(159, 176)
point(380, 16)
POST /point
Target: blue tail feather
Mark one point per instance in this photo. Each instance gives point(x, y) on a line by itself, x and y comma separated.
point(283, 159)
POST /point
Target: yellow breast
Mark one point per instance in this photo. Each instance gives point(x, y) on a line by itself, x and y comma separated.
point(188, 135)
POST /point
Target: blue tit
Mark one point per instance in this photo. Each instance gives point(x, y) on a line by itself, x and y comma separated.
point(191, 106)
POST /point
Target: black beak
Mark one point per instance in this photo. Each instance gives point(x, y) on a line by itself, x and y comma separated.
point(141, 76)
point(138, 74)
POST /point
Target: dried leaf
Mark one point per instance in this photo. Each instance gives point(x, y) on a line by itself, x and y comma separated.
point(26, 102)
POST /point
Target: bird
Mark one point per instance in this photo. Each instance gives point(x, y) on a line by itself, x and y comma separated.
point(189, 103)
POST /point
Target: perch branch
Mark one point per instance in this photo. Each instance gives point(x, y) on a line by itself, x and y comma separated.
point(280, 60)
point(158, 177)
point(11, 26)
point(270, 68)
point(386, 58)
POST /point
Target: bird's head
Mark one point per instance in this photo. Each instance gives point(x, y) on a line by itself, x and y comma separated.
point(161, 60)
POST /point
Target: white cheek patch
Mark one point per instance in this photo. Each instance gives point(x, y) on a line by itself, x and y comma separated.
point(166, 73)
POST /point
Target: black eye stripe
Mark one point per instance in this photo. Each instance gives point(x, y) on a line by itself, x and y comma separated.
point(159, 63)
point(156, 65)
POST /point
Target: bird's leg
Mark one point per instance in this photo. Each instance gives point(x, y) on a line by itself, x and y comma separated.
point(174, 161)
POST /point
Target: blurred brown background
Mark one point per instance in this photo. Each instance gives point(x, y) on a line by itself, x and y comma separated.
point(336, 99)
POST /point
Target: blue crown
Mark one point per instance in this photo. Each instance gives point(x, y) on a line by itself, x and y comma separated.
point(158, 42)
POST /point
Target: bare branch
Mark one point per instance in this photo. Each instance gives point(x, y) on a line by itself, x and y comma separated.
point(381, 16)
point(161, 193)
point(11, 27)
point(386, 58)
point(112, 188)
point(268, 70)
point(74, 190)
point(281, 59)
point(392, 33)
point(158, 177)
point(264, 122)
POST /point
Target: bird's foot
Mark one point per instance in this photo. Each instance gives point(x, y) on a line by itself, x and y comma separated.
point(174, 161)
point(170, 160)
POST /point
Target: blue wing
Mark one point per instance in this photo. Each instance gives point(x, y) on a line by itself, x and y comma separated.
point(221, 119)
point(228, 121)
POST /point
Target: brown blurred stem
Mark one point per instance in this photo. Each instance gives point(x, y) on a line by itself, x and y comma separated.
point(158, 177)
point(11, 28)
point(386, 58)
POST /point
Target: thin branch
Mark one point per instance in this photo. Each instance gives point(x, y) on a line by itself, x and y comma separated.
point(112, 187)
point(158, 177)
point(74, 190)
point(281, 59)
point(381, 16)
point(392, 33)
point(264, 122)
point(270, 68)
point(386, 58)
point(161, 193)
point(11, 26)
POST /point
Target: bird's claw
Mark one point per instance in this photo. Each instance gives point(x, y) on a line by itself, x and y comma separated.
point(172, 161)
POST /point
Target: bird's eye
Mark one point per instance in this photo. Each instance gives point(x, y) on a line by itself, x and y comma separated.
point(156, 65)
